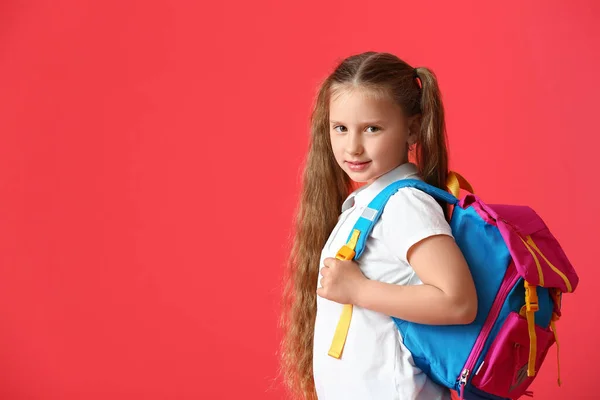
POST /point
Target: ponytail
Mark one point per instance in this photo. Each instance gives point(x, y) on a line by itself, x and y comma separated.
point(431, 149)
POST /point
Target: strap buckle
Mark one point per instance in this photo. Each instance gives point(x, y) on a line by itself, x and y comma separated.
point(345, 253)
point(531, 297)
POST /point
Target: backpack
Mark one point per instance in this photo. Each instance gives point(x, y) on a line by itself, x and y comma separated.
point(520, 273)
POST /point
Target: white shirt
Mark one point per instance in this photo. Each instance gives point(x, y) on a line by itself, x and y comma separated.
point(375, 364)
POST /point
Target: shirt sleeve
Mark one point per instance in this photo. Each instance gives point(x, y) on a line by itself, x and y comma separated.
point(410, 216)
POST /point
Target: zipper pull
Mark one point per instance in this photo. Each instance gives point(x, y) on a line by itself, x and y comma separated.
point(462, 382)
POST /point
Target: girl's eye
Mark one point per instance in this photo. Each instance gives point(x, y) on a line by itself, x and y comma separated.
point(341, 126)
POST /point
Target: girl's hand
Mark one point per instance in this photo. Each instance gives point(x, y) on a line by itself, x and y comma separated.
point(341, 280)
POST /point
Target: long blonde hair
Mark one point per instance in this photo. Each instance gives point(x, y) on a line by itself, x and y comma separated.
point(325, 186)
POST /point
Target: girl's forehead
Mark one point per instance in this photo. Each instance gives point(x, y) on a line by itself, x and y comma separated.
point(357, 100)
point(344, 92)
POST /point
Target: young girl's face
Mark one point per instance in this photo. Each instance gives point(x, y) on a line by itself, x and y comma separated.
point(369, 134)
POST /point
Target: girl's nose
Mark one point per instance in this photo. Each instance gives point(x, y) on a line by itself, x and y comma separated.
point(354, 143)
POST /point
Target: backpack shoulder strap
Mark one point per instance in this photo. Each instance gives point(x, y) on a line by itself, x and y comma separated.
point(372, 212)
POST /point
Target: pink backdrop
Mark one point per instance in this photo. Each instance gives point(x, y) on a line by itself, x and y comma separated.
point(149, 168)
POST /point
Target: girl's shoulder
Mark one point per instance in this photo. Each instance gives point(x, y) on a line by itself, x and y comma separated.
point(410, 216)
point(410, 201)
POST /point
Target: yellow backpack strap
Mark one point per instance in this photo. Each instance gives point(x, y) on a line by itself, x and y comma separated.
point(341, 331)
point(531, 304)
point(553, 326)
point(455, 182)
point(556, 296)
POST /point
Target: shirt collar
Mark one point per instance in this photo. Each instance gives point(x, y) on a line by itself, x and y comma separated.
point(364, 195)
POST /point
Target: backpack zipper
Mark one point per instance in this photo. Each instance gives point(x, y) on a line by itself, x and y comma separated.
point(503, 292)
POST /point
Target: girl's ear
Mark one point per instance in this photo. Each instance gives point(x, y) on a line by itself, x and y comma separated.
point(412, 138)
point(414, 126)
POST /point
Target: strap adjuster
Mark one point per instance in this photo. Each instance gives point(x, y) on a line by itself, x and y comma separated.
point(345, 253)
point(531, 297)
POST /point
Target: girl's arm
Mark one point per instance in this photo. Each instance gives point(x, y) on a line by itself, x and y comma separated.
point(446, 297)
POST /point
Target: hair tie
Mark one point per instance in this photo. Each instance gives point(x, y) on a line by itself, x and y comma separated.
point(418, 78)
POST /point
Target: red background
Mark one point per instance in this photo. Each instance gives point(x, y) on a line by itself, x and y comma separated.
point(149, 169)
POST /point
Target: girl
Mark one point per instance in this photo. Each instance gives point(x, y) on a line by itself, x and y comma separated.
point(371, 113)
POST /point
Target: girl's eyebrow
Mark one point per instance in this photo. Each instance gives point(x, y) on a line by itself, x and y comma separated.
point(377, 122)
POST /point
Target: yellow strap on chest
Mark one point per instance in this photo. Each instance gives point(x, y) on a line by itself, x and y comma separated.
point(341, 331)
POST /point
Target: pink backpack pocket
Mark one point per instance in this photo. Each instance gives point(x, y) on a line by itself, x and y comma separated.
point(504, 369)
